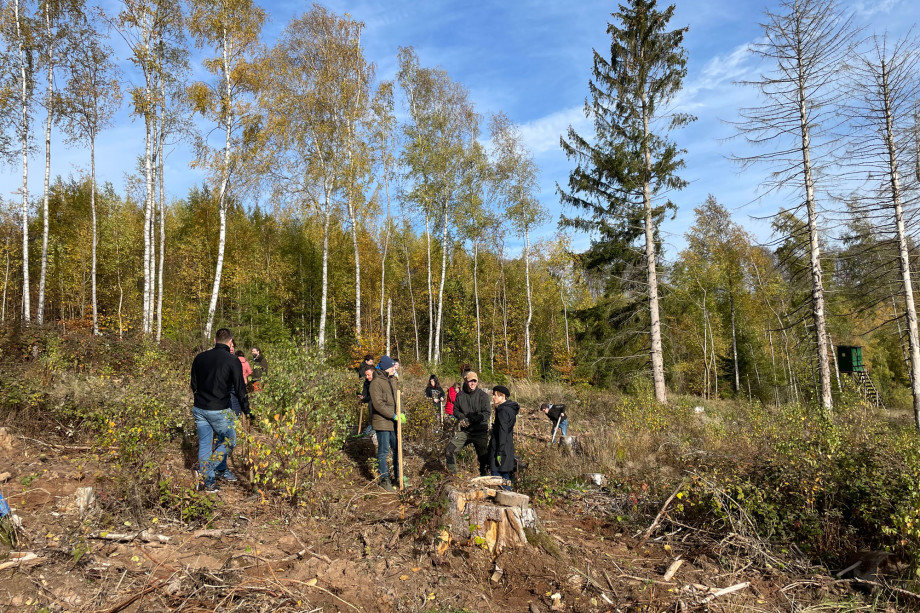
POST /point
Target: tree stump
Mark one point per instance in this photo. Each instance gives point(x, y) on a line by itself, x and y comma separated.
point(494, 519)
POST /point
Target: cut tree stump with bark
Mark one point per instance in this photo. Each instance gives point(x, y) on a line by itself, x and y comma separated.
point(494, 519)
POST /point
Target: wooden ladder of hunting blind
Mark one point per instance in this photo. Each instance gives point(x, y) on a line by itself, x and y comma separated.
point(868, 389)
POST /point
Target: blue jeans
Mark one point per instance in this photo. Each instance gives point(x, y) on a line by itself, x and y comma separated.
point(386, 439)
point(505, 476)
point(214, 428)
point(563, 428)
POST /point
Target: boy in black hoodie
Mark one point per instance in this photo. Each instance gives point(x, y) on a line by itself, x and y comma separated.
point(554, 412)
point(501, 444)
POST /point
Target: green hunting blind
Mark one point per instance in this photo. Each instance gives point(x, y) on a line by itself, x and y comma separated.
point(850, 359)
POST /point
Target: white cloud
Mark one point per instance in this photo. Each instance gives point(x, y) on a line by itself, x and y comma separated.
point(542, 134)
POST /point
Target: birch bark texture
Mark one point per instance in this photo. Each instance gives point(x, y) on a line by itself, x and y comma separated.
point(805, 44)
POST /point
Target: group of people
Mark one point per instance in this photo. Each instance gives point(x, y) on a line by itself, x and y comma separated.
point(221, 380)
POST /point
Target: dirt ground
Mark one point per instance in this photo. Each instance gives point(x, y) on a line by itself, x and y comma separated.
point(366, 550)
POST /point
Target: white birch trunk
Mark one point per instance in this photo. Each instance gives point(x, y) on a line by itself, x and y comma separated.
point(224, 187)
point(430, 290)
point(24, 138)
point(437, 336)
point(92, 208)
point(412, 298)
point(476, 298)
point(529, 300)
point(565, 312)
point(162, 207)
point(49, 107)
point(389, 319)
point(386, 246)
point(6, 280)
point(501, 260)
point(731, 300)
point(148, 213)
point(657, 355)
point(327, 216)
point(352, 212)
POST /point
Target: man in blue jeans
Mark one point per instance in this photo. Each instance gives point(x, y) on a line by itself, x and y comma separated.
point(383, 404)
point(215, 374)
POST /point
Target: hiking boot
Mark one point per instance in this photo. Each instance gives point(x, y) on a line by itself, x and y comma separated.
point(452, 469)
point(385, 484)
point(227, 476)
point(208, 489)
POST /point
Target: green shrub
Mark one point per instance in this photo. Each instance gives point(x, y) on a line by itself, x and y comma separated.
point(300, 421)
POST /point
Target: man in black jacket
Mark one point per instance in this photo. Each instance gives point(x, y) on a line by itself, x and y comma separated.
point(473, 409)
point(215, 373)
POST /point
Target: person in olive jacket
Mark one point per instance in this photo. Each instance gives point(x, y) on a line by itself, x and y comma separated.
point(473, 410)
point(383, 401)
point(501, 444)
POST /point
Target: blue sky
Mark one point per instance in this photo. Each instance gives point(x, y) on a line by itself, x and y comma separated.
point(532, 60)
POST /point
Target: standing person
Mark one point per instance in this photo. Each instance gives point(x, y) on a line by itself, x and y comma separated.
point(473, 409)
point(434, 392)
point(554, 412)
point(365, 398)
point(215, 374)
point(259, 369)
point(452, 392)
point(501, 444)
point(364, 365)
point(247, 370)
point(383, 399)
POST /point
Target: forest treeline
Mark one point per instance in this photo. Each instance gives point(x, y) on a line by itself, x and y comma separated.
point(401, 220)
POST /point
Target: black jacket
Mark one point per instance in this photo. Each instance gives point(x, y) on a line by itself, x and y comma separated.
point(555, 410)
point(434, 393)
point(214, 373)
point(474, 407)
point(501, 444)
point(259, 368)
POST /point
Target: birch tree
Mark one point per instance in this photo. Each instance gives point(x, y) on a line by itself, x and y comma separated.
point(622, 177)
point(384, 139)
point(232, 28)
point(90, 99)
point(517, 174)
point(317, 78)
point(805, 44)
point(19, 33)
point(441, 125)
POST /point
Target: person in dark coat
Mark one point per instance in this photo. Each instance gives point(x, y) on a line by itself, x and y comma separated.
point(215, 375)
point(501, 444)
point(554, 412)
point(259, 369)
point(365, 398)
point(434, 392)
point(473, 410)
point(363, 366)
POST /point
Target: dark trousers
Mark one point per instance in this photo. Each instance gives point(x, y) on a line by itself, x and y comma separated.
point(479, 440)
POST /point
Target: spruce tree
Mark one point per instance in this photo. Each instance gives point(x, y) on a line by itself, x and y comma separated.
point(622, 175)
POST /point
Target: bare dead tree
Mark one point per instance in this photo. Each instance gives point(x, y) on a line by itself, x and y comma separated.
point(884, 82)
point(805, 42)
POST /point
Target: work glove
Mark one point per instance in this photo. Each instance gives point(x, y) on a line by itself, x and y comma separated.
point(464, 423)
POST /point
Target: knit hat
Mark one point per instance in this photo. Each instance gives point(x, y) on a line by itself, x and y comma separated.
point(501, 389)
point(386, 362)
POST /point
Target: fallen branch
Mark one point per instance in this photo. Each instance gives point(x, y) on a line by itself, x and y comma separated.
point(128, 537)
point(726, 590)
point(883, 586)
point(21, 559)
point(672, 569)
point(213, 532)
point(660, 515)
